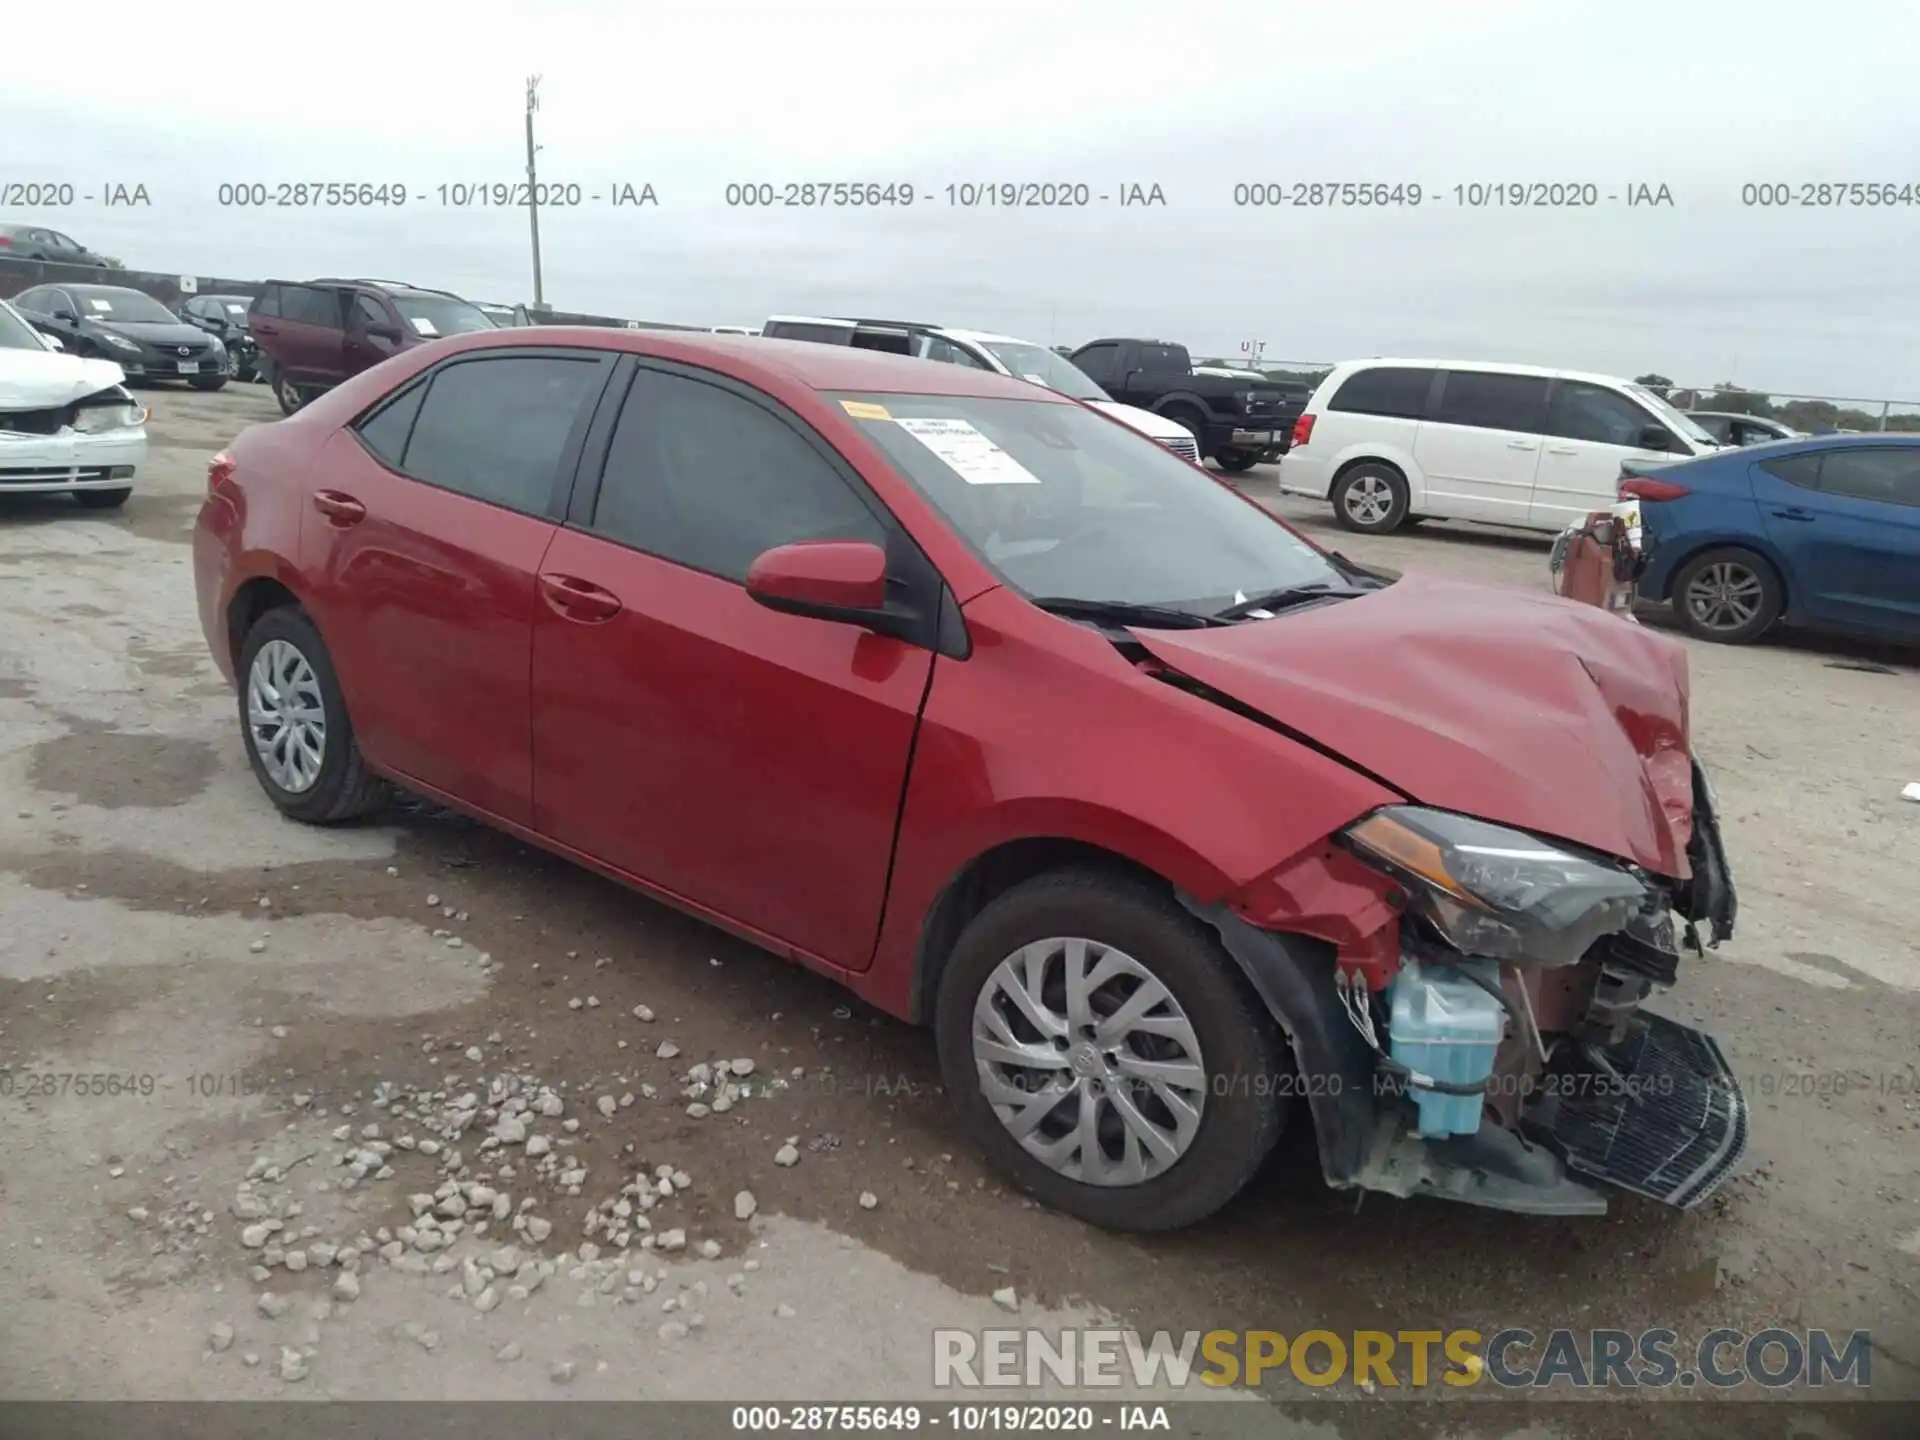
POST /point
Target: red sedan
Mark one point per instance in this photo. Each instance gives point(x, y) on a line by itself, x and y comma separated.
point(1161, 816)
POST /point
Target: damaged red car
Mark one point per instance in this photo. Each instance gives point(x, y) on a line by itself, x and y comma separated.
point(1170, 824)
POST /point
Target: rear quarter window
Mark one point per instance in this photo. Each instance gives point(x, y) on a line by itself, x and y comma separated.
point(1391, 390)
point(1801, 470)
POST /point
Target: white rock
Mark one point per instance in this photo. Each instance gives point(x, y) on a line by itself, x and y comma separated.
point(220, 1337)
point(255, 1236)
point(538, 1145)
point(511, 1130)
point(785, 1312)
point(667, 1050)
point(574, 1004)
point(744, 1205)
point(538, 1229)
point(593, 1002)
point(434, 900)
point(642, 1012)
point(698, 1111)
point(549, 1104)
point(606, 1105)
point(709, 1249)
point(346, 1286)
point(296, 1260)
point(474, 1054)
point(671, 1240)
point(1007, 1298)
point(786, 1155)
point(562, 1371)
point(868, 1200)
point(486, 1300)
point(271, 1305)
point(293, 1365)
point(743, 1067)
point(509, 1352)
point(673, 1330)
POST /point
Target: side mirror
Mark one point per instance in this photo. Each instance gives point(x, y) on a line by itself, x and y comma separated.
point(844, 580)
point(66, 315)
point(56, 342)
point(1655, 437)
point(384, 332)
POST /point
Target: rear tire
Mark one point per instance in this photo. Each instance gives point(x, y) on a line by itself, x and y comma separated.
point(1728, 595)
point(1236, 461)
point(103, 499)
point(298, 671)
point(1370, 499)
point(290, 395)
point(1233, 1065)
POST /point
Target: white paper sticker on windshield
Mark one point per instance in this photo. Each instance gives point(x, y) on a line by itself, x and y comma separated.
point(100, 304)
point(424, 325)
point(1036, 379)
point(968, 453)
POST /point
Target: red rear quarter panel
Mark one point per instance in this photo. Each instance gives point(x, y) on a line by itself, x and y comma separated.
point(1047, 732)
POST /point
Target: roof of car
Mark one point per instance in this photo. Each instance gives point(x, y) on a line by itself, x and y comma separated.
point(816, 366)
point(1737, 415)
point(94, 289)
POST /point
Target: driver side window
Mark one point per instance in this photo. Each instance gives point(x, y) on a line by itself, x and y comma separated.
point(948, 353)
point(1593, 412)
point(368, 314)
point(705, 477)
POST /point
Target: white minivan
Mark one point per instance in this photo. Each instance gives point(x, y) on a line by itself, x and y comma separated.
point(1390, 440)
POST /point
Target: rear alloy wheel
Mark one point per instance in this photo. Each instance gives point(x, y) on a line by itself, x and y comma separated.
point(1371, 499)
point(1105, 1052)
point(290, 395)
point(1729, 595)
point(299, 738)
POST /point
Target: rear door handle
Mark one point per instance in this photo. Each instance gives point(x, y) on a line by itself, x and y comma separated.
point(339, 508)
point(579, 599)
point(1794, 512)
point(1561, 450)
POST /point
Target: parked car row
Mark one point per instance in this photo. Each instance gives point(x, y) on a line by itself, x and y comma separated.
point(1155, 812)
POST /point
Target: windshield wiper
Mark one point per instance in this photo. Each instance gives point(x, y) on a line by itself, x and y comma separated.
point(1287, 596)
point(1122, 612)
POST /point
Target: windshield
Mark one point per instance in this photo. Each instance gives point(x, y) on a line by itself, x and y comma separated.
point(431, 315)
point(16, 334)
point(1064, 503)
point(1673, 419)
point(128, 305)
point(1043, 367)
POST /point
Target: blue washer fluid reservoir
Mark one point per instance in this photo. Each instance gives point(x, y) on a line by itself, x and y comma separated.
point(1445, 1026)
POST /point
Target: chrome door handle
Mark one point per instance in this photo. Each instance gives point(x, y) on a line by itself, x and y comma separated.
point(1561, 450)
point(1521, 445)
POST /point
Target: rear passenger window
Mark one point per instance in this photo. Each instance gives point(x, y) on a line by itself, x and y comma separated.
point(709, 479)
point(268, 302)
point(307, 306)
point(1593, 412)
point(1099, 363)
point(1384, 390)
point(1801, 470)
point(1890, 476)
point(385, 431)
point(1493, 401)
point(496, 428)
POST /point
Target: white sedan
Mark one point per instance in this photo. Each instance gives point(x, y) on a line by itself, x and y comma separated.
point(67, 425)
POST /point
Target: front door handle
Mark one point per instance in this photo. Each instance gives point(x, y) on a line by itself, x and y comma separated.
point(1561, 450)
point(339, 508)
point(1521, 445)
point(579, 599)
point(1793, 512)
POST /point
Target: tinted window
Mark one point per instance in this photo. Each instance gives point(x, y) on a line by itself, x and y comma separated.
point(1493, 401)
point(34, 300)
point(709, 479)
point(385, 431)
point(269, 302)
point(948, 353)
point(828, 334)
point(431, 315)
point(1890, 476)
point(308, 306)
point(368, 311)
point(495, 428)
point(1162, 358)
point(1593, 412)
point(1385, 390)
point(1097, 363)
point(1802, 470)
point(1718, 426)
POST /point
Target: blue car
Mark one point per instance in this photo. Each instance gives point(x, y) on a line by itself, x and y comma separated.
point(1821, 532)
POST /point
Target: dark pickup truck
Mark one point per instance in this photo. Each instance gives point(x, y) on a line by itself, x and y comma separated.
point(1239, 420)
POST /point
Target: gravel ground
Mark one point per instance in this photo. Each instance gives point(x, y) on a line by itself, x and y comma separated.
point(416, 1112)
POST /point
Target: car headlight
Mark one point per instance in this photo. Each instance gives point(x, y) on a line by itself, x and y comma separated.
point(1496, 892)
point(119, 342)
point(93, 419)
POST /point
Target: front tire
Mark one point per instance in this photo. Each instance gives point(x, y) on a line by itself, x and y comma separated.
point(1728, 595)
point(293, 718)
point(1106, 1054)
point(1370, 498)
point(103, 499)
point(209, 382)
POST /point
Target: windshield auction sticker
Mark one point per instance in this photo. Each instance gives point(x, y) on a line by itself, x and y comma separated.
point(864, 410)
point(968, 453)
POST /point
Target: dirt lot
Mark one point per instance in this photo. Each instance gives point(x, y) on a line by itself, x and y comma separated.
point(261, 999)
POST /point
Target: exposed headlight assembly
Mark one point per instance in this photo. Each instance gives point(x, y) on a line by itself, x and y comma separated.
point(95, 419)
point(1496, 892)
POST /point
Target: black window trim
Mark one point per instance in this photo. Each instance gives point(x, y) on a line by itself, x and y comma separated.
point(565, 469)
point(929, 616)
point(1820, 475)
point(1428, 402)
point(1649, 421)
point(1812, 486)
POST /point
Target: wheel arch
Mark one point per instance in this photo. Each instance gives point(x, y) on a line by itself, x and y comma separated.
point(251, 599)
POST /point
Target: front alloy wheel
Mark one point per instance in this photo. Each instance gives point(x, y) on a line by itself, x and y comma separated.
point(1089, 1061)
point(299, 736)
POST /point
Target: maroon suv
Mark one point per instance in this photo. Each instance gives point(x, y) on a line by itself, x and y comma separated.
point(315, 333)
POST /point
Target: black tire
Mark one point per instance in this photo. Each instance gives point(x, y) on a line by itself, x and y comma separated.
point(290, 395)
point(1745, 582)
point(1240, 1046)
point(345, 788)
point(1357, 496)
point(103, 499)
point(209, 382)
point(1195, 426)
point(1235, 461)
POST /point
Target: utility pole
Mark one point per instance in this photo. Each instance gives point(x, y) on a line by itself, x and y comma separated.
point(533, 190)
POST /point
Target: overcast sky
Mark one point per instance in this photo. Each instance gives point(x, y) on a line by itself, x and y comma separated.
point(692, 95)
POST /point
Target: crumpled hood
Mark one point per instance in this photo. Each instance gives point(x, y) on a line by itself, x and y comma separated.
point(46, 379)
point(1524, 709)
